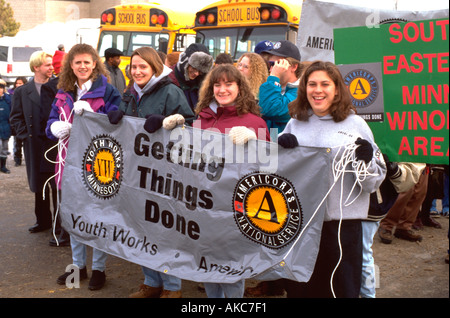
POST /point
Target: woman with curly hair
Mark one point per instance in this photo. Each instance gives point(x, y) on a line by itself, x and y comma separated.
point(83, 86)
point(226, 103)
point(253, 67)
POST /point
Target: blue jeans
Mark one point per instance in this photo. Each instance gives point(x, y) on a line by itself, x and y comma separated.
point(444, 199)
point(369, 229)
point(79, 256)
point(217, 290)
point(157, 279)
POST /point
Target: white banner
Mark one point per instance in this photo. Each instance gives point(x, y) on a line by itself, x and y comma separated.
point(319, 19)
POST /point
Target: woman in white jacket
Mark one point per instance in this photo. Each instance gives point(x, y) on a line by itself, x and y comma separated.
point(323, 116)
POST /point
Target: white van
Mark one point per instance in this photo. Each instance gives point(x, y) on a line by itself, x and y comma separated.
point(15, 61)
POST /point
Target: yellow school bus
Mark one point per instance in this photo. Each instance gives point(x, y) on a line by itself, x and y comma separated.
point(236, 26)
point(128, 27)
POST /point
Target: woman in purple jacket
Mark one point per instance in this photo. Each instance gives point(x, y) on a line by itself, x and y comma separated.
point(83, 86)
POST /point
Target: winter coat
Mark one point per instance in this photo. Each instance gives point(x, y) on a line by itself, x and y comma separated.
point(57, 61)
point(117, 78)
point(25, 120)
point(102, 97)
point(227, 118)
point(179, 75)
point(274, 101)
point(160, 96)
point(5, 110)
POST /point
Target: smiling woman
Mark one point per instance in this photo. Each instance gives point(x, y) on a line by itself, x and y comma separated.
point(82, 66)
point(83, 86)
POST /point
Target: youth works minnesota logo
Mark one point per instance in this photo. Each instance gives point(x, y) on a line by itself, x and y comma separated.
point(267, 209)
point(102, 166)
point(363, 87)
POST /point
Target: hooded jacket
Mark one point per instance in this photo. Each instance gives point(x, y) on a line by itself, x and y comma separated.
point(179, 75)
point(159, 96)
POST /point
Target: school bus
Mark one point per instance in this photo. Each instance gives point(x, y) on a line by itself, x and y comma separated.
point(236, 26)
point(128, 27)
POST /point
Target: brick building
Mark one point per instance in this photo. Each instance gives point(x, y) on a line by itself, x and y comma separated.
point(30, 13)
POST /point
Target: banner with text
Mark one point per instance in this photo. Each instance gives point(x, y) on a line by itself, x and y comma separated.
point(413, 58)
point(190, 203)
point(320, 18)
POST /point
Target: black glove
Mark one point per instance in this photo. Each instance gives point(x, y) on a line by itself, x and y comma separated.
point(364, 151)
point(392, 167)
point(115, 116)
point(288, 140)
point(153, 122)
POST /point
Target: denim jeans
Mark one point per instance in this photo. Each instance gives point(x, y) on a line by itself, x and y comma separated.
point(369, 229)
point(216, 290)
point(79, 256)
point(157, 279)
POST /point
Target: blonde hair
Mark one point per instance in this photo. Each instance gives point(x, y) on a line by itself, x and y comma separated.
point(37, 59)
point(258, 71)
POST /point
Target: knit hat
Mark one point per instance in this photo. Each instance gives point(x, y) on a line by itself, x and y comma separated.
point(201, 61)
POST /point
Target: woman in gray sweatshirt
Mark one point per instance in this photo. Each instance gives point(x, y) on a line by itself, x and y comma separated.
point(323, 116)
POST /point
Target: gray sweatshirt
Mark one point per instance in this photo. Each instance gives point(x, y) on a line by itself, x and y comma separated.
point(324, 132)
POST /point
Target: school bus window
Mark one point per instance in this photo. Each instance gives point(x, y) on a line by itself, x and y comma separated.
point(118, 40)
point(224, 40)
point(155, 40)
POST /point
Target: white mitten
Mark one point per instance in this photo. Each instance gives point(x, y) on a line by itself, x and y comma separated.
point(60, 129)
point(80, 106)
point(171, 121)
point(241, 135)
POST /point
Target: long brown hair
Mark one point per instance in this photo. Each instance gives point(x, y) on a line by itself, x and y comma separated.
point(245, 101)
point(342, 104)
point(67, 78)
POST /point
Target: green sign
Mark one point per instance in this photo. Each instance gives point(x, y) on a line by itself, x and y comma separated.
point(414, 59)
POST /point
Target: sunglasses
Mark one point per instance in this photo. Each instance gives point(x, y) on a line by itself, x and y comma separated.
point(271, 63)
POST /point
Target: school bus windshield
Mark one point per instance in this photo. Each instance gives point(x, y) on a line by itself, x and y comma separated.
point(237, 41)
point(236, 27)
point(127, 42)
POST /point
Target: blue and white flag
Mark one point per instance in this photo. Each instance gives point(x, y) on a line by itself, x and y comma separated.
point(190, 203)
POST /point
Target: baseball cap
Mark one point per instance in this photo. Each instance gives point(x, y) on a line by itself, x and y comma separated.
point(111, 52)
point(263, 46)
point(285, 49)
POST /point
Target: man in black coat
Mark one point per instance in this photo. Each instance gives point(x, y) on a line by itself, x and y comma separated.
point(25, 119)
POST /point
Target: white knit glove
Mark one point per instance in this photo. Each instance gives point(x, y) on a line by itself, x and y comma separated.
point(80, 106)
point(241, 135)
point(170, 122)
point(60, 129)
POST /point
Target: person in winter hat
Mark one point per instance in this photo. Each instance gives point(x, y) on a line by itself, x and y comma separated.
point(189, 72)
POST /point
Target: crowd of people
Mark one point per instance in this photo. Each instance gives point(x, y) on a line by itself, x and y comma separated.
point(297, 103)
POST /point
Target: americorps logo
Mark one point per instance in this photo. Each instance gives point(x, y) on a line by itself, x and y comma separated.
point(267, 209)
point(102, 166)
point(363, 87)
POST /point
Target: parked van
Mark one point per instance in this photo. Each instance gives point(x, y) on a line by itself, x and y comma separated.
point(14, 61)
